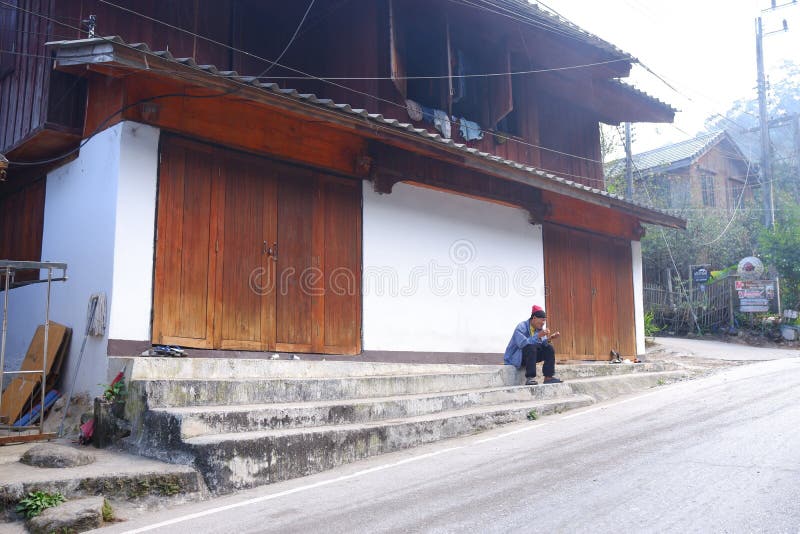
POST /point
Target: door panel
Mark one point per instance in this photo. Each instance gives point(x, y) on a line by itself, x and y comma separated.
point(297, 275)
point(604, 293)
point(246, 300)
point(559, 296)
point(342, 264)
point(183, 301)
point(577, 263)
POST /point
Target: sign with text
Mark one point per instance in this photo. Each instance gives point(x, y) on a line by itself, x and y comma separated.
point(755, 295)
point(700, 274)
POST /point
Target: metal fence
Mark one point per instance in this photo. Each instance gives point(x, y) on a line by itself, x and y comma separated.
point(710, 306)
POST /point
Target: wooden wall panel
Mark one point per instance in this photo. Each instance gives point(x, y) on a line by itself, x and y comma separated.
point(247, 126)
point(21, 225)
point(591, 217)
point(24, 91)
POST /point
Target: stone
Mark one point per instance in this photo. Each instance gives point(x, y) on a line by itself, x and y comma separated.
point(109, 423)
point(72, 516)
point(53, 455)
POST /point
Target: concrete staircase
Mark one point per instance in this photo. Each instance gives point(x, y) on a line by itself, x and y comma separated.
point(245, 423)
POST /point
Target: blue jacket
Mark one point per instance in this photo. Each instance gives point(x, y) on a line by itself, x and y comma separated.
point(521, 338)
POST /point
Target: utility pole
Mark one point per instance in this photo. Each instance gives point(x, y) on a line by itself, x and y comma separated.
point(766, 159)
point(628, 163)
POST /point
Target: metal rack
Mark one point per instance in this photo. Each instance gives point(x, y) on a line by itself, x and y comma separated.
point(8, 270)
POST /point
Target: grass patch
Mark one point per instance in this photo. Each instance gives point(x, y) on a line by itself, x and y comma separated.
point(533, 415)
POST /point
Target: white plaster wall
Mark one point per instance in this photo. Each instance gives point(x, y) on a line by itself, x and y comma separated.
point(129, 316)
point(100, 199)
point(638, 295)
point(428, 257)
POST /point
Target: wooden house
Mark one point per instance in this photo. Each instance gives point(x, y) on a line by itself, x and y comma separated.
point(708, 173)
point(382, 179)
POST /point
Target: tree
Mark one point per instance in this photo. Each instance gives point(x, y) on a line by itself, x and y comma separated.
point(780, 247)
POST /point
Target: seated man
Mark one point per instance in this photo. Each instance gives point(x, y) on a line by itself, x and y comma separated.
point(530, 344)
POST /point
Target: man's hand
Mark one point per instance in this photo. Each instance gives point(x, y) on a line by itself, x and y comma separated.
point(554, 335)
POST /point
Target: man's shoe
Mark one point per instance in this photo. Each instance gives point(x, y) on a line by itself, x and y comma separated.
point(552, 380)
point(531, 382)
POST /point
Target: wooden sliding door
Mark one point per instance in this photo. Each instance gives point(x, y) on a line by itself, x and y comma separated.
point(589, 293)
point(255, 255)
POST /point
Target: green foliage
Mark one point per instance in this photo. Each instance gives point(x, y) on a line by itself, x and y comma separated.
point(107, 511)
point(650, 327)
point(780, 248)
point(533, 415)
point(114, 392)
point(38, 501)
point(711, 238)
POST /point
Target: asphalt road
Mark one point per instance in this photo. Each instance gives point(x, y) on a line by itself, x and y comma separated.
point(718, 454)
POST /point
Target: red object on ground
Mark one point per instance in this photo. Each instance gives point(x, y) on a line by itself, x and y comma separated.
point(87, 429)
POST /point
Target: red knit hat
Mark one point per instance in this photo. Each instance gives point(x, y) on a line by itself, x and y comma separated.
point(536, 308)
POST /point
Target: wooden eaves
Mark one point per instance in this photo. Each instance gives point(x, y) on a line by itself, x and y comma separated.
point(114, 58)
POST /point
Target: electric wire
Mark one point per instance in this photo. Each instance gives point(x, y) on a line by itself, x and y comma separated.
point(103, 123)
point(496, 134)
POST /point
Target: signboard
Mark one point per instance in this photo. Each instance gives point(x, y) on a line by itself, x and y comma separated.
point(755, 295)
point(701, 274)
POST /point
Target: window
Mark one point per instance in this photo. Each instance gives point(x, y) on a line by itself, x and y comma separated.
point(707, 186)
point(8, 37)
point(737, 190)
point(432, 58)
point(679, 194)
point(419, 51)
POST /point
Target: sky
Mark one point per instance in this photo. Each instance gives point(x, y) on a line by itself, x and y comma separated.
point(705, 49)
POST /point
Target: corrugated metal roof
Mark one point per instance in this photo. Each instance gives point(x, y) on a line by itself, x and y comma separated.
point(636, 92)
point(559, 24)
point(102, 47)
point(669, 157)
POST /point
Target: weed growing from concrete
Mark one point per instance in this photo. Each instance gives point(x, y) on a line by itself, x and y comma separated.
point(38, 501)
point(533, 415)
point(107, 511)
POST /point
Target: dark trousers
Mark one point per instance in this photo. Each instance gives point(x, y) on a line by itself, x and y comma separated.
point(531, 354)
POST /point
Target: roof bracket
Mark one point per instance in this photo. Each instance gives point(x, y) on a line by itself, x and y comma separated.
point(383, 183)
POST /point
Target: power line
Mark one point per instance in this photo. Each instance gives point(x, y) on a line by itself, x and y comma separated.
point(448, 76)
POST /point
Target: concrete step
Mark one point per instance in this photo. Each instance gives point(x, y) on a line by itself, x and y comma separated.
point(602, 388)
point(203, 420)
point(157, 368)
point(588, 370)
point(210, 391)
point(123, 479)
point(250, 387)
point(242, 460)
